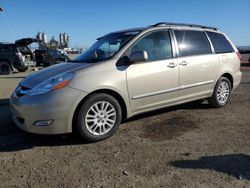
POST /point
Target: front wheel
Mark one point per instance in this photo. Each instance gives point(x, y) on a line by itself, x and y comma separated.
point(99, 117)
point(222, 93)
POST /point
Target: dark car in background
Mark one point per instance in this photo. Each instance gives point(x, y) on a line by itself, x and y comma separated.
point(245, 53)
point(47, 57)
point(16, 56)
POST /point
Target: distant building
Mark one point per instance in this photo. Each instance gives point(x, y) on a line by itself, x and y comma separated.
point(41, 36)
point(64, 40)
point(53, 43)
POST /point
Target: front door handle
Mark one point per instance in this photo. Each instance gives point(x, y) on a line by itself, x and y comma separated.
point(184, 63)
point(172, 65)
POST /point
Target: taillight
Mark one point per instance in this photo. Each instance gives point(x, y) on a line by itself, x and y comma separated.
point(20, 56)
point(238, 54)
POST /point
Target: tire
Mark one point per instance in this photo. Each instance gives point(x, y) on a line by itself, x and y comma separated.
point(221, 93)
point(99, 117)
point(5, 68)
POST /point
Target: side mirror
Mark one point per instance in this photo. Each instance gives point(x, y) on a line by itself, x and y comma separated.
point(138, 56)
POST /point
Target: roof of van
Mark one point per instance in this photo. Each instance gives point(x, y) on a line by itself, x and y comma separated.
point(164, 24)
point(168, 24)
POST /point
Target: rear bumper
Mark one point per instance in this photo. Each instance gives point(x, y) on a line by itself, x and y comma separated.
point(58, 105)
point(237, 79)
point(29, 63)
point(24, 65)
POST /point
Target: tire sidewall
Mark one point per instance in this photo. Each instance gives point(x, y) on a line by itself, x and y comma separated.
point(7, 65)
point(81, 125)
point(222, 79)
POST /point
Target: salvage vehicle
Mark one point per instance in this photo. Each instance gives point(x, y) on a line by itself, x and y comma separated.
point(16, 56)
point(48, 57)
point(126, 73)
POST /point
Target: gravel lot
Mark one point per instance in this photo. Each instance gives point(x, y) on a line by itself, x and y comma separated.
point(191, 145)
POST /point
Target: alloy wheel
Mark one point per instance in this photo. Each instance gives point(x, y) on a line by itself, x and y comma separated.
point(223, 92)
point(100, 118)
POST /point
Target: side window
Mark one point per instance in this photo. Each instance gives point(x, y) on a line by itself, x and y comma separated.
point(220, 43)
point(192, 43)
point(156, 44)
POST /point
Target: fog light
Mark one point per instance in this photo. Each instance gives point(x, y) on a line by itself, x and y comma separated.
point(43, 122)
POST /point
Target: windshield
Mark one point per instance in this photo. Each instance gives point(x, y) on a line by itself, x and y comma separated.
point(54, 53)
point(106, 47)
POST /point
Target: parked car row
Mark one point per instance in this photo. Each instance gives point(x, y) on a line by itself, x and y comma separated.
point(245, 53)
point(18, 56)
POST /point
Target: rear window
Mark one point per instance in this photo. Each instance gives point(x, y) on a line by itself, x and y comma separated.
point(24, 49)
point(220, 43)
point(192, 43)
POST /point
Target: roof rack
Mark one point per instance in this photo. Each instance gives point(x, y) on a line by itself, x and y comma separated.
point(162, 24)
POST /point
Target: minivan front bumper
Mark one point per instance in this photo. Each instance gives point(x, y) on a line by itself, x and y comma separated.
point(57, 107)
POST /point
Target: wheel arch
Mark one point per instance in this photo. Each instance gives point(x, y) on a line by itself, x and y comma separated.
point(229, 77)
point(113, 93)
point(8, 61)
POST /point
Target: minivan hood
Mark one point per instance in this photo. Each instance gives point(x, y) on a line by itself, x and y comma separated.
point(49, 72)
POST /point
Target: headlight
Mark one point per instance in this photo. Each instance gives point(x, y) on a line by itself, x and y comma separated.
point(51, 84)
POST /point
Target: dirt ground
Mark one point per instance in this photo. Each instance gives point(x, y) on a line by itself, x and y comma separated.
point(190, 145)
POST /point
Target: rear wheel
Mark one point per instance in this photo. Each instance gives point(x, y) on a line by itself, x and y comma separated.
point(99, 117)
point(222, 93)
point(5, 68)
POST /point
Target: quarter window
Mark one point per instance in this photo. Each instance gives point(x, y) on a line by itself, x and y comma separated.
point(220, 43)
point(156, 44)
point(192, 43)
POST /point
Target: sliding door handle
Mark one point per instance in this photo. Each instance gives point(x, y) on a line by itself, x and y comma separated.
point(184, 63)
point(172, 65)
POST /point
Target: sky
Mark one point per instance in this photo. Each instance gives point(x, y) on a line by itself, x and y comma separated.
point(86, 20)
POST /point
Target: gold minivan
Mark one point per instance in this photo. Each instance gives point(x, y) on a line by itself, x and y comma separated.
point(127, 73)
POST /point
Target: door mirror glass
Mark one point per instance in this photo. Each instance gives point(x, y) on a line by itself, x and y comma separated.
point(138, 56)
